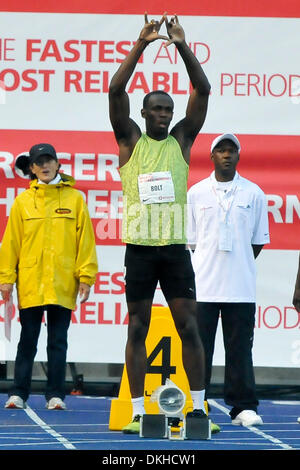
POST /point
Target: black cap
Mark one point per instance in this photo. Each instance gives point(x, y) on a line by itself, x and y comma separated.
point(23, 162)
point(41, 149)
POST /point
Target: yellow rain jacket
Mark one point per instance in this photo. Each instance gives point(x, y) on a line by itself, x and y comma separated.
point(48, 246)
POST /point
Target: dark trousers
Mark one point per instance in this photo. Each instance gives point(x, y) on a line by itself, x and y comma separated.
point(238, 330)
point(58, 321)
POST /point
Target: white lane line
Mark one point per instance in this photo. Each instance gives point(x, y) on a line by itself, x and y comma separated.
point(58, 424)
point(32, 415)
point(87, 397)
point(29, 444)
point(286, 402)
point(257, 431)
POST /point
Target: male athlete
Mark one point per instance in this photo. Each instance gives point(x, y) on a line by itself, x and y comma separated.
point(154, 168)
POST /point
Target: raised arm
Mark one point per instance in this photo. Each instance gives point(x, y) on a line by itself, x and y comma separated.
point(186, 130)
point(126, 131)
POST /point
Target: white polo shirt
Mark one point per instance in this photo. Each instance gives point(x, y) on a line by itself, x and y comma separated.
point(225, 271)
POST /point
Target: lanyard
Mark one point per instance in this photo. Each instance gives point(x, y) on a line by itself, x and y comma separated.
point(225, 207)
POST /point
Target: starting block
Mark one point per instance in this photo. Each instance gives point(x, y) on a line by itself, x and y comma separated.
point(156, 426)
point(196, 427)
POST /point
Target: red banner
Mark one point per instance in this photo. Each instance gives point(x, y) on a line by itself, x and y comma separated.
point(272, 162)
point(277, 8)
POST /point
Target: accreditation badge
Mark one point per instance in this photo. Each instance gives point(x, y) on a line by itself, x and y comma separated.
point(225, 237)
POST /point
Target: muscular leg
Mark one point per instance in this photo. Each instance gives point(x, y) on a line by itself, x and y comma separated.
point(135, 354)
point(184, 314)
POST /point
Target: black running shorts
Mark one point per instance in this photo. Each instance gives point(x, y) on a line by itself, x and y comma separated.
point(169, 265)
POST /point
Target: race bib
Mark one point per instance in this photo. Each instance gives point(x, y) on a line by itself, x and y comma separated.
point(156, 187)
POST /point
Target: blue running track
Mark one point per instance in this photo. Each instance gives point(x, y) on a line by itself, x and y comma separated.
point(84, 427)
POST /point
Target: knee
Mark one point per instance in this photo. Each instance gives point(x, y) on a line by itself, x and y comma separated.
point(29, 338)
point(188, 330)
point(137, 330)
point(58, 343)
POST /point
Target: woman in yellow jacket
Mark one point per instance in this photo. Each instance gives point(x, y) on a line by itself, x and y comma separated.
point(48, 250)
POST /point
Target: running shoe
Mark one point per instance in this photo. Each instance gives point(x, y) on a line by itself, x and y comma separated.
point(15, 401)
point(247, 418)
point(56, 403)
point(133, 427)
point(214, 428)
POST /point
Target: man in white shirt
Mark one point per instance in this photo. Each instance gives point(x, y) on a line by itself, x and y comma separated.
point(227, 228)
